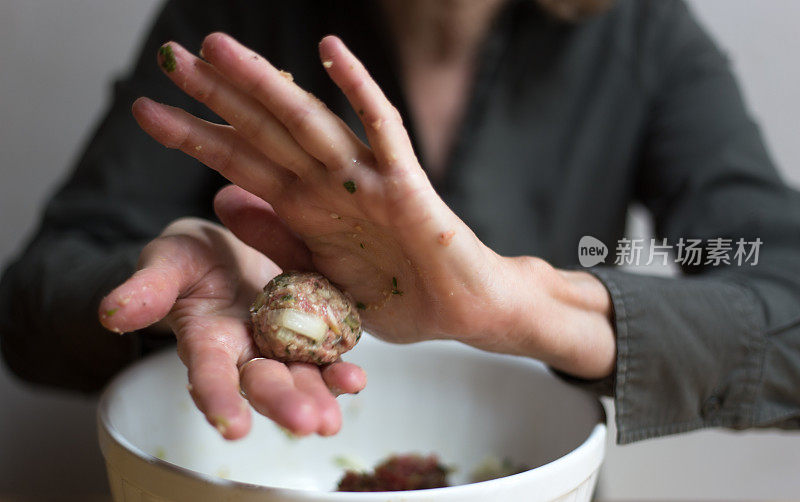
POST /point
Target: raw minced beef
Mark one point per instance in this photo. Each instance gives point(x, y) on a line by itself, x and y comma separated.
point(302, 317)
point(398, 473)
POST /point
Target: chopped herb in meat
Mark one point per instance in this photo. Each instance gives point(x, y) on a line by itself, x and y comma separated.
point(281, 280)
point(360, 306)
point(352, 322)
point(350, 186)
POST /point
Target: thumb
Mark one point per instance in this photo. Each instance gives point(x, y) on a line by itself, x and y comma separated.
point(255, 223)
point(168, 266)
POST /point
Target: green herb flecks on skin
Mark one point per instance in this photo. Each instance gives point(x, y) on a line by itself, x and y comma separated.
point(395, 291)
point(361, 306)
point(362, 245)
point(111, 312)
point(289, 434)
point(350, 186)
point(286, 298)
point(168, 61)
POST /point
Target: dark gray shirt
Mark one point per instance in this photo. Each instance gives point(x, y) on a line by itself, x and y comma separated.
point(566, 126)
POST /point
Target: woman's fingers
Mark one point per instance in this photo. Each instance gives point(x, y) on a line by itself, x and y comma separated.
point(270, 388)
point(382, 122)
point(316, 129)
point(168, 267)
point(250, 119)
point(344, 378)
point(408, 194)
point(217, 146)
point(307, 379)
point(300, 397)
point(213, 373)
point(255, 223)
point(144, 299)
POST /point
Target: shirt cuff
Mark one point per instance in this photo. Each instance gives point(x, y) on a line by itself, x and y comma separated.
point(690, 354)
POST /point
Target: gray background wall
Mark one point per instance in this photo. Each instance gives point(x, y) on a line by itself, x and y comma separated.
point(55, 66)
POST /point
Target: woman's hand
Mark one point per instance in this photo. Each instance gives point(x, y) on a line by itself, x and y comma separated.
point(367, 216)
point(199, 280)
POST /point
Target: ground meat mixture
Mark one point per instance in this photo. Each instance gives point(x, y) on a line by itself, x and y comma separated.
point(398, 473)
point(302, 317)
point(493, 468)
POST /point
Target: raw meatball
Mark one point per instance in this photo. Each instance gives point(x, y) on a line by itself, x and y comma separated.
point(302, 317)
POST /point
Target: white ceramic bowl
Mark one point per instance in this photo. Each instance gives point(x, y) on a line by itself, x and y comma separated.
point(433, 397)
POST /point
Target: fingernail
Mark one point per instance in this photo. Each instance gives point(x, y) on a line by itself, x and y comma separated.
point(221, 424)
point(243, 366)
point(289, 434)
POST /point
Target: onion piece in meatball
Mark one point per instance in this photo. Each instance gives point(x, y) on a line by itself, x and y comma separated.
point(302, 317)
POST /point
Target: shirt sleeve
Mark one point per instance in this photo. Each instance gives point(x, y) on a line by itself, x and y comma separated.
point(718, 346)
point(122, 192)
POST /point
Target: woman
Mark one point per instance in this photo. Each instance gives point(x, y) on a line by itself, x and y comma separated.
point(520, 120)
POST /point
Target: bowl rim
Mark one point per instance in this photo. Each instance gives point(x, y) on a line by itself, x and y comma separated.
point(595, 440)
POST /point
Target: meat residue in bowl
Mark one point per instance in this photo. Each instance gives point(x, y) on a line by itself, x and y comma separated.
point(493, 468)
point(417, 472)
point(398, 473)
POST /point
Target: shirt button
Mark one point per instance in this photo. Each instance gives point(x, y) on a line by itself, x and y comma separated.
point(711, 406)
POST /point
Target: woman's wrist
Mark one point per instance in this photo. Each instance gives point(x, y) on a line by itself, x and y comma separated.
point(562, 318)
